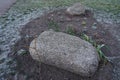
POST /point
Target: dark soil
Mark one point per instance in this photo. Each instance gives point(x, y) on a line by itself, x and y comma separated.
point(60, 20)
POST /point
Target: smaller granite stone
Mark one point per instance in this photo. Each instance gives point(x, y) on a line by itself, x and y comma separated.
point(76, 9)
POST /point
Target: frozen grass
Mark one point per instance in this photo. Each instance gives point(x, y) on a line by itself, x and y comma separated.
point(106, 5)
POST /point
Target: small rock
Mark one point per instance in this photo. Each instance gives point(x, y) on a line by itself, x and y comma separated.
point(94, 24)
point(94, 27)
point(76, 9)
point(66, 52)
point(68, 19)
point(21, 52)
point(83, 23)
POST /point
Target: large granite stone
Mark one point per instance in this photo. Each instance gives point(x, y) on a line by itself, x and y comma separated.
point(65, 51)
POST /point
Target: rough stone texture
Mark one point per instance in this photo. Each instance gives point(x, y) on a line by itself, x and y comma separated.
point(76, 9)
point(65, 51)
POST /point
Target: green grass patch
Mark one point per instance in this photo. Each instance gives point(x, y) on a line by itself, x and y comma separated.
point(97, 46)
point(70, 30)
point(53, 25)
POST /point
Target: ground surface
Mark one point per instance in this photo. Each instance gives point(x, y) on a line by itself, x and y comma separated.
point(61, 21)
point(24, 11)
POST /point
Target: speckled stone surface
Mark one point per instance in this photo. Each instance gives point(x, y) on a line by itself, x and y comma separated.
point(65, 51)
